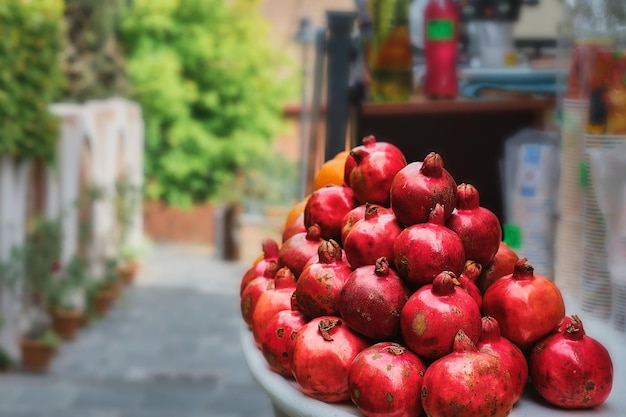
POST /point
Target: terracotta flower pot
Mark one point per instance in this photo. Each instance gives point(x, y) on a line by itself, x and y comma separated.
point(127, 271)
point(103, 300)
point(66, 323)
point(36, 355)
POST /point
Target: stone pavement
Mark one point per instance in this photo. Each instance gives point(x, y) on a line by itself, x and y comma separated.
point(169, 348)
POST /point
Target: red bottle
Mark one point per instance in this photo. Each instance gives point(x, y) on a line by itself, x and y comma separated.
point(441, 25)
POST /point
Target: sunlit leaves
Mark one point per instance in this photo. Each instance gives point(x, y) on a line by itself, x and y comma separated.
point(207, 79)
point(30, 76)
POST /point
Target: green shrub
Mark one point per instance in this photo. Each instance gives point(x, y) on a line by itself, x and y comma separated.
point(209, 85)
point(30, 75)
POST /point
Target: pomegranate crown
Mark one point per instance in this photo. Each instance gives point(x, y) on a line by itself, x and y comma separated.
point(325, 326)
point(432, 166)
point(468, 197)
point(574, 329)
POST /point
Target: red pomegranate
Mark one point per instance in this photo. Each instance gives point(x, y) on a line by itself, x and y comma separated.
point(319, 286)
point(503, 263)
point(468, 277)
point(270, 252)
point(326, 207)
point(297, 226)
point(478, 227)
point(371, 178)
point(424, 250)
point(350, 219)
point(419, 187)
point(433, 315)
point(270, 302)
point(371, 300)
point(467, 383)
point(355, 215)
point(526, 305)
point(513, 358)
point(370, 144)
point(371, 237)
point(298, 249)
point(385, 380)
point(254, 289)
point(323, 352)
point(278, 340)
point(570, 369)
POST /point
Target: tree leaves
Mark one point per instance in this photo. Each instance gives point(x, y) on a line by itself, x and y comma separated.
point(30, 78)
point(207, 79)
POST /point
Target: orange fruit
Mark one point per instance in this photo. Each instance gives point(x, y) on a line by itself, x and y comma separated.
point(295, 211)
point(331, 171)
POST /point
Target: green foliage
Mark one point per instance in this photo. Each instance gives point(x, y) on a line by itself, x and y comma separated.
point(210, 88)
point(12, 270)
point(30, 76)
point(73, 278)
point(126, 201)
point(50, 338)
point(42, 251)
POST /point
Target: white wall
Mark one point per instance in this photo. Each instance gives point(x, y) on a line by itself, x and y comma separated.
point(540, 21)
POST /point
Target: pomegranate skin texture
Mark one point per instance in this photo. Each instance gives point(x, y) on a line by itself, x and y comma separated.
point(370, 144)
point(322, 355)
point(513, 358)
point(371, 237)
point(502, 264)
point(526, 305)
point(371, 301)
point(433, 315)
point(296, 251)
point(254, 289)
point(276, 298)
point(327, 207)
point(350, 220)
point(418, 187)
point(570, 369)
point(478, 228)
point(422, 251)
point(278, 340)
point(385, 380)
point(270, 252)
point(467, 279)
point(467, 383)
point(319, 286)
point(371, 178)
point(297, 226)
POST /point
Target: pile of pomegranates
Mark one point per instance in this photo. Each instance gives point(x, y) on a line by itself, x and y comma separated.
point(396, 292)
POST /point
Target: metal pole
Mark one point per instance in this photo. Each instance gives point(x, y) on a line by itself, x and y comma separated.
point(339, 50)
point(315, 150)
point(304, 119)
point(304, 37)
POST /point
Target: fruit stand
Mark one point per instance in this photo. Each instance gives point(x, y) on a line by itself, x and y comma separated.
point(378, 304)
point(287, 400)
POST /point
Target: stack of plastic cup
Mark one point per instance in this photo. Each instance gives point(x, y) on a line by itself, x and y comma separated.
point(568, 234)
point(596, 288)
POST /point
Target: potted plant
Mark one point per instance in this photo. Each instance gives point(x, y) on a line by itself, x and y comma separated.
point(127, 201)
point(39, 342)
point(129, 263)
point(103, 292)
point(66, 298)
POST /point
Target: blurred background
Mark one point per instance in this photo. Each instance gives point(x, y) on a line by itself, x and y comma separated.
point(149, 147)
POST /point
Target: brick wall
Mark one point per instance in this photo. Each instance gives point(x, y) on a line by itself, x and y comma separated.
point(165, 223)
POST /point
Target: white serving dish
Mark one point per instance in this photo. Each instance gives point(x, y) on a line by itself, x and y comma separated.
point(288, 401)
